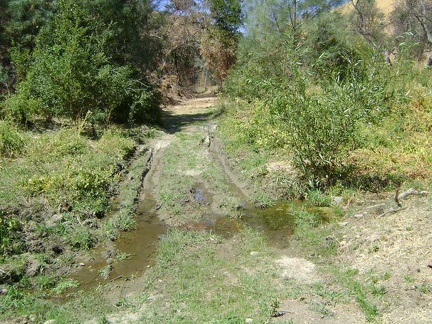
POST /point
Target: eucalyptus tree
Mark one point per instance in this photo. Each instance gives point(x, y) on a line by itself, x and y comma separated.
point(281, 15)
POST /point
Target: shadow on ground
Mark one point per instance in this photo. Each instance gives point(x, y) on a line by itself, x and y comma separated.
point(173, 123)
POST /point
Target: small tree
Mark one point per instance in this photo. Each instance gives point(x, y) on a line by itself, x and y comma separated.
point(412, 22)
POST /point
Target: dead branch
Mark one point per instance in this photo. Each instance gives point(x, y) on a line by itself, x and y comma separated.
point(412, 191)
point(391, 211)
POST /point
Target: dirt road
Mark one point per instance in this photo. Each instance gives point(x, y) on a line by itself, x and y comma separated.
point(380, 271)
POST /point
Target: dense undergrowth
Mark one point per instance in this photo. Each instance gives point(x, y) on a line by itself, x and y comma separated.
point(358, 123)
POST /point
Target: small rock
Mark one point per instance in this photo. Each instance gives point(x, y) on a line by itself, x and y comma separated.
point(207, 141)
point(33, 267)
point(212, 127)
point(81, 264)
point(337, 201)
point(3, 290)
point(57, 249)
point(65, 207)
point(51, 321)
point(240, 206)
point(255, 253)
point(54, 220)
point(90, 223)
point(111, 253)
point(4, 276)
point(99, 214)
point(248, 320)
point(329, 240)
point(279, 314)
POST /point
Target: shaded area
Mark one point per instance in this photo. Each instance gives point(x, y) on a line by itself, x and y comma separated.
point(174, 123)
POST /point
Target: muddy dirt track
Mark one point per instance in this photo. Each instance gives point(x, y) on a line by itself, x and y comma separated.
point(191, 186)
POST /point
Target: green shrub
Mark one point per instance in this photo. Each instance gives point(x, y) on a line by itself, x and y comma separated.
point(72, 73)
point(11, 241)
point(321, 132)
point(21, 108)
point(11, 141)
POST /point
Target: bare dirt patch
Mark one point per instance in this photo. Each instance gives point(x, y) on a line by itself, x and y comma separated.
point(396, 246)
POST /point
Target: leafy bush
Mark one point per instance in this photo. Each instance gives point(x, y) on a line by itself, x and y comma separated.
point(71, 73)
point(11, 141)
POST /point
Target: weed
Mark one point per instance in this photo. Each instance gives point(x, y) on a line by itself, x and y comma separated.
point(360, 292)
point(322, 309)
point(106, 271)
point(109, 231)
point(409, 279)
point(64, 285)
point(45, 282)
point(332, 296)
point(103, 320)
point(379, 290)
point(11, 240)
point(124, 220)
point(123, 256)
point(262, 200)
point(81, 237)
point(424, 288)
point(318, 199)
point(386, 275)
point(315, 238)
point(15, 300)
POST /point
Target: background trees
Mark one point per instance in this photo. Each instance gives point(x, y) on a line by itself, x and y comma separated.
point(219, 43)
point(85, 56)
point(412, 23)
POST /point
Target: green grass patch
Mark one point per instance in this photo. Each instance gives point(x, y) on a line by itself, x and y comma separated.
point(188, 167)
point(62, 166)
point(199, 278)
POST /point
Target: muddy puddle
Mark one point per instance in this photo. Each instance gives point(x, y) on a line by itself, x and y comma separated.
point(135, 251)
point(130, 256)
